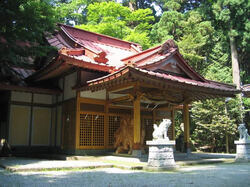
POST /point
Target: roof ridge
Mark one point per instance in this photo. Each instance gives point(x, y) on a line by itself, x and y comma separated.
point(145, 51)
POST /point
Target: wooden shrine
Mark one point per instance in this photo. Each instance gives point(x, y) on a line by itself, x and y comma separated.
point(78, 101)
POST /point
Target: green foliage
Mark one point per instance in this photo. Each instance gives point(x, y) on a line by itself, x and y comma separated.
point(232, 18)
point(191, 33)
point(115, 20)
point(23, 24)
point(141, 38)
point(217, 71)
point(214, 120)
point(69, 12)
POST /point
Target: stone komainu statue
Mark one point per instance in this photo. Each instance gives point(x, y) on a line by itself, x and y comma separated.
point(243, 132)
point(124, 136)
point(161, 132)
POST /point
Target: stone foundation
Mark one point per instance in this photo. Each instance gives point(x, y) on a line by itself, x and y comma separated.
point(242, 150)
point(161, 155)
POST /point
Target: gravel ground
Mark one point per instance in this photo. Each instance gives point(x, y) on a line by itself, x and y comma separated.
point(236, 174)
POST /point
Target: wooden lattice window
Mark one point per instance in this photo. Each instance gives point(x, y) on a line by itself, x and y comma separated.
point(85, 129)
point(98, 130)
point(148, 125)
point(114, 124)
point(91, 130)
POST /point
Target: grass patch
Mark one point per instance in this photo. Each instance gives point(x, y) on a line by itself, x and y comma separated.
point(57, 169)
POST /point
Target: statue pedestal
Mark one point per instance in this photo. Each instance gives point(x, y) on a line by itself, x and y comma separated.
point(242, 150)
point(161, 155)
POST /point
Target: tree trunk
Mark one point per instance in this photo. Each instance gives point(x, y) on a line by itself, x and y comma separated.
point(131, 5)
point(227, 143)
point(235, 63)
point(236, 70)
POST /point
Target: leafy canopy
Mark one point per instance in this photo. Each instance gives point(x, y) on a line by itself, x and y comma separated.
point(23, 24)
point(115, 20)
point(191, 33)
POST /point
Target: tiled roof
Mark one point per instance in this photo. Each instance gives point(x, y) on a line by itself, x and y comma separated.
point(103, 53)
point(160, 54)
point(172, 80)
point(57, 41)
point(115, 49)
point(23, 73)
point(207, 84)
point(83, 35)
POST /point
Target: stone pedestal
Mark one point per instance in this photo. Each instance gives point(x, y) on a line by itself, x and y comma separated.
point(137, 153)
point(242, 150)
point(161, 155)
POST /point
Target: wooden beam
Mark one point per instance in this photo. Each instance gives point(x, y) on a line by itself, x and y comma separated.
point(120, 87)
point(173, 123)
point(119, 99)
point(92, 101)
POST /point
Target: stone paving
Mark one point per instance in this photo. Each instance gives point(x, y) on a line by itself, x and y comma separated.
point(120, 171)
point(236, 174)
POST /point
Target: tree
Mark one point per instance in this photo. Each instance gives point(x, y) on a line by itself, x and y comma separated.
point(71, 12)
point(23, 25)
point(214, 126)
point(115, 20)
point(232, 16)
point(189, 30)
point(216, 119)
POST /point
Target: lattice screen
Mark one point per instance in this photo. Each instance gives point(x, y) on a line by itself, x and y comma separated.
point(91, 130)
point(114, 124)
point(148, 124)
point(98, 130)
point(85, 129)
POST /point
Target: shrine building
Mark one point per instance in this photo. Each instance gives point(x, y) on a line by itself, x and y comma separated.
point(76, 101)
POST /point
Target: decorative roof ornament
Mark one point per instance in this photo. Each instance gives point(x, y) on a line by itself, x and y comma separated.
point(167, 46)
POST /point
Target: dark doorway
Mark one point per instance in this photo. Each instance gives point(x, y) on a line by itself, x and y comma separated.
point(4, 113)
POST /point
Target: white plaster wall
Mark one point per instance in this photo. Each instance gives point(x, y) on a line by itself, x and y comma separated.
point(53, 99)
point(41, 126)
point(43, 98)
point(52, 132)
point(69, 82)
point(21, 96)
point(94, 95)
point(113, 96)
point(19, 122)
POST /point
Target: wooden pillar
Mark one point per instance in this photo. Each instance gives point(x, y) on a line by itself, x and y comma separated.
point(77, 145)
point(186, 127)
point(106, 121)
point(173, 123)
point(137, 122)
